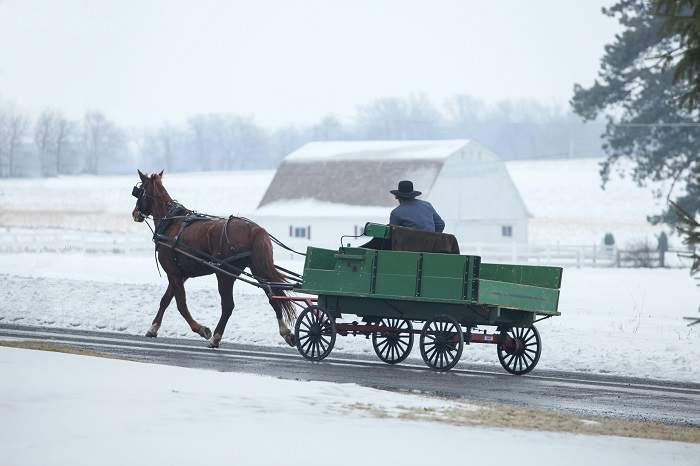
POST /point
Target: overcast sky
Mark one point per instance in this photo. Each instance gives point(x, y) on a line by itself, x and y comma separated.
point(142, 62)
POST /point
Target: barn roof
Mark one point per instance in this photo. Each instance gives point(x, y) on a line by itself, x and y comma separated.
point(358, 173)
point(376, 150)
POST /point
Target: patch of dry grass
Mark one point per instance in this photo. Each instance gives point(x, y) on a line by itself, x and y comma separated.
point(504, 416)
point(55, 347)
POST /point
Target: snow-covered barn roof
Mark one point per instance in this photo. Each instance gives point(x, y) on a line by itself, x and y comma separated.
point(361, 173)
point(358, 172)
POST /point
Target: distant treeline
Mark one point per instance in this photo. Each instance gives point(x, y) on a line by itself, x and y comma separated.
point(53, 144)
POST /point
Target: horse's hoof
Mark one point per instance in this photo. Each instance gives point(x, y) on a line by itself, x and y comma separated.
point(215, 341)
point(153, 331)
point(204, 332)
point(290, 339)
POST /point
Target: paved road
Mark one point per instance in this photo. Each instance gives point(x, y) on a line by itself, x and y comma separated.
point(583, 394)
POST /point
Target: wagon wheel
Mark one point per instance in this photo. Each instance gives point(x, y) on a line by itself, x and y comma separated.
point(519, 349)
point(395, 343)
point(441, 343)
point(315, 332)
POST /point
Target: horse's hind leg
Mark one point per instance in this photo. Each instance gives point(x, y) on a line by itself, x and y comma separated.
point(281, 321)
point(164, 303)
point(178, 285)
point(227, 305)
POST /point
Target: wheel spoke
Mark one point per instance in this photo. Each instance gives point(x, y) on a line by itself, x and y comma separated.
point(305, 346)
point(383, 344)
point(434, 356)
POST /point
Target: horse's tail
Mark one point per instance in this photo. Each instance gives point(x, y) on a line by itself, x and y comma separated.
point(264, 267)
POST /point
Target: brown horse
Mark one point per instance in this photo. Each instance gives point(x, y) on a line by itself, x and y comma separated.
point(220, 238)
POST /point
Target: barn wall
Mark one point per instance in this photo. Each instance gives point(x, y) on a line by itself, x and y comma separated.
point(326, 232)
point(474, 184)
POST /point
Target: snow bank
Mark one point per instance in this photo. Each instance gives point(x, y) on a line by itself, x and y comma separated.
point(61, 409)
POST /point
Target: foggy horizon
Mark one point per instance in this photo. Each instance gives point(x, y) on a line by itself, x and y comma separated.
point(283, 64)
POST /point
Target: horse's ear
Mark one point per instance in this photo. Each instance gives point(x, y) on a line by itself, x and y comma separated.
point(143, 177)
point(160, 175)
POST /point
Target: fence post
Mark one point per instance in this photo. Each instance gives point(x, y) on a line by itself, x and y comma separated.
point(617, 258)
point(595, 250)
point(578, 258)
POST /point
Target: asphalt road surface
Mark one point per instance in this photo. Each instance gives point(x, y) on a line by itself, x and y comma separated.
point(583, 394)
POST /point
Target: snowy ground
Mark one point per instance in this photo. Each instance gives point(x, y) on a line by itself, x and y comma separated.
point(618, 321)
point(62, 409)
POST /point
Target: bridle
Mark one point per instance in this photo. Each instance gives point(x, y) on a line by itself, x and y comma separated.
point(140, 193)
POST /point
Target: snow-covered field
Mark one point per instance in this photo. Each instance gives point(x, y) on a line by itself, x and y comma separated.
point(564, 197)
point(70, 255)
point(75, 410)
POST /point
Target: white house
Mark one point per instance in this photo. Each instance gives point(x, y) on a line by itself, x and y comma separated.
point(327, 189)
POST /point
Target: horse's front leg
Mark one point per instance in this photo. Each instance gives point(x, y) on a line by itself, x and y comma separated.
point(164, 303)
point(227, 305)
point(178, 285)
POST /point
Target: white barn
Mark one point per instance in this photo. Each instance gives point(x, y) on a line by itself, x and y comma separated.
point(327, 189)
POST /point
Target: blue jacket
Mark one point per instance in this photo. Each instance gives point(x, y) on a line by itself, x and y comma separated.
point(414, 213)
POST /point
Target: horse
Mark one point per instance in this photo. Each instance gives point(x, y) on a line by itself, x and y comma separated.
point(216, 237)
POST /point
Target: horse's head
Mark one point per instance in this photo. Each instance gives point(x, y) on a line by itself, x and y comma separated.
point(149, 191)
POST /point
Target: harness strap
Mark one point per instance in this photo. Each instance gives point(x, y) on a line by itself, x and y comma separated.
point(176, 240)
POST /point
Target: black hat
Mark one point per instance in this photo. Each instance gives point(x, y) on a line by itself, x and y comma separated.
point(405, 190)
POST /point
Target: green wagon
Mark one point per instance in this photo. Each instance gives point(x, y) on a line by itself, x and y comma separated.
point(451, 294)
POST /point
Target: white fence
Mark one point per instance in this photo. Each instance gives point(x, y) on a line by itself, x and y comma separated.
point(54, 240)
point(559, 255)
point(572, 255)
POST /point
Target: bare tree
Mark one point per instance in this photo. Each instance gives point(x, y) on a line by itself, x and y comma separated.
point(103, 142)
point(13, 130)
point(166, 136)
point(44, 140)
point(65, 133)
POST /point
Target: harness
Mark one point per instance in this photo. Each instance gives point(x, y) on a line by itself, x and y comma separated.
point(176, 211)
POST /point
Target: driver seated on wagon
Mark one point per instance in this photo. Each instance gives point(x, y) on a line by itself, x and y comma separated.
point(412, 212)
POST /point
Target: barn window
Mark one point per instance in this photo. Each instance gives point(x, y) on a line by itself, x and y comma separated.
point(300, 232)
point(507, 230)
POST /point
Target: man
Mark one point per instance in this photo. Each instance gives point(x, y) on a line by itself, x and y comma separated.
point(412, 212)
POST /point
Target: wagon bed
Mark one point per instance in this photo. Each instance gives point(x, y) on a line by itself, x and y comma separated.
point(451, 293)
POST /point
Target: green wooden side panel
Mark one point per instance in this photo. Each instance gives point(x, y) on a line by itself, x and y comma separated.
point(317, 258)
point(443, 276)
point(396, 273)
point(432, 281)
point(353, 268)
point(547, 277)
point(349, 272)
point(513, 295)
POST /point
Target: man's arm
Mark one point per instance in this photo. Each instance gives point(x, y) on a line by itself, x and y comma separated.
point(394, 219)
point(439, 223)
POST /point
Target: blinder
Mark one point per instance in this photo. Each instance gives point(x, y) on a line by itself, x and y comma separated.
point(138, 191)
